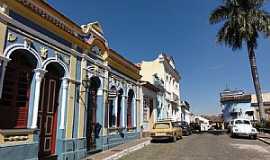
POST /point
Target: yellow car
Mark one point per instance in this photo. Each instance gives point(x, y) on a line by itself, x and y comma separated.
point(166, 130)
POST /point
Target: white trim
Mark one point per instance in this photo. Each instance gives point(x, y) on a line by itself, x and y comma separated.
point(123, 76)
point(11, 48)
point(63, 102)
point(86, 57)
point(38, 77)
point(123, 107)
point(56, 60)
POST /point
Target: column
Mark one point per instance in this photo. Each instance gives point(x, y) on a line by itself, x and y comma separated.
point(134, 115)
point(123, 112)
point(39, 74)
point(63, 102)
point(3, 66)
point(115, 110)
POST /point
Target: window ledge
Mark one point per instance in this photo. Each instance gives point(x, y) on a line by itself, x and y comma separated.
point(16, 135)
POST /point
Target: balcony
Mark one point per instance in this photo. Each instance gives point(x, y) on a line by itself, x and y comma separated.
point(158, 82)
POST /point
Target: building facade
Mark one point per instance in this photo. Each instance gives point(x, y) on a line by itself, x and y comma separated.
point(163, 68)
point(185, 112)
point(63, 92)
point(266, 105)
point(236, 104)
point(122, 113)
point(149, 107)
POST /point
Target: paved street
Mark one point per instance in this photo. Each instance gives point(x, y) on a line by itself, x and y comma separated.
point(204, 147)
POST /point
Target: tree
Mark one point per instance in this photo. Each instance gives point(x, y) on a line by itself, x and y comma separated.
point(243, 22)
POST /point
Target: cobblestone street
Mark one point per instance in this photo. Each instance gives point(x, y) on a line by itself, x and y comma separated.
point(204, 147)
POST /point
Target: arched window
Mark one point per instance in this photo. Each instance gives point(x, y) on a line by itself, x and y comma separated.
point(111, 106)
point(16, 90)
point(119, 107)
point(130, 109)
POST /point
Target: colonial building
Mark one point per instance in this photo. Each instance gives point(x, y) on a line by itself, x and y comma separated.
point(185, 112)
point(122, 111)
point(236, 104)
point(266, 105)
point(149, 110)
point(63, 92)
point(163, 68)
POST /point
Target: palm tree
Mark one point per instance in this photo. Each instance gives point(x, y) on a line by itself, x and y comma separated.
point(243, 22)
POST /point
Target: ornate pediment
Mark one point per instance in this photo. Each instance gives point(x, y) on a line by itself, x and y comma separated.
point(95, 27)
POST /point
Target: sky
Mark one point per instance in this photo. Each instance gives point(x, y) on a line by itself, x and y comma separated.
point(140, 30)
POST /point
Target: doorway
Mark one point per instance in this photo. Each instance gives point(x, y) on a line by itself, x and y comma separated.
point(48, 110)
point(92, 127)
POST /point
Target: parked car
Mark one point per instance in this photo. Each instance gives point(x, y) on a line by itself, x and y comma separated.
point(195, 127)
point(243, 127)
point(166, 130)
point(186, 129)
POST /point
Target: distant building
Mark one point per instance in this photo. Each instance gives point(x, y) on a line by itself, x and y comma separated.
point(185, 112)
point(203, 122)
point(266, 105)
point(215, 121)
point(163, 68)
point(236, 104)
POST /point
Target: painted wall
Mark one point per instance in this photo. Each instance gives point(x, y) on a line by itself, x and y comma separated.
point(171, 86)
point(239, 108)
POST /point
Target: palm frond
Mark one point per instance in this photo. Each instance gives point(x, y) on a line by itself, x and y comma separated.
point(218, 15)
point(243, 21)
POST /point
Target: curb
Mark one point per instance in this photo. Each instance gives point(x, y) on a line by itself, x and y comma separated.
point(263, 140)
point(127, 151)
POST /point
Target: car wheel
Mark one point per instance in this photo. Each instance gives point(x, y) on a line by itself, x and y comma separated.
point(254, 137)
point(232, 135)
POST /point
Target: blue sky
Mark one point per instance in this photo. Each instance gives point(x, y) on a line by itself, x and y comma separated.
point(141, 29)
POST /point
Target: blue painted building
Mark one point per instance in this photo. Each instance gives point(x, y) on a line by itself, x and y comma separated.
point(236, 104)
point(64, 93)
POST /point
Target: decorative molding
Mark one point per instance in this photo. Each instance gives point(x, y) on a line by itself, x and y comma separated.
point(44, 52)
point(96, 50)
point(16, 138)
point(11, 37)
point(4, 8)
point(27, 43)
point(49, 17)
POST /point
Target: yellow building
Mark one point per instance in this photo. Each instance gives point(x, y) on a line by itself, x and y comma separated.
point(57, 83)
point(162, 72)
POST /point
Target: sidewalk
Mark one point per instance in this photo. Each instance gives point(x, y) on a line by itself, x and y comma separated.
point(264, 137)
point(120, 151)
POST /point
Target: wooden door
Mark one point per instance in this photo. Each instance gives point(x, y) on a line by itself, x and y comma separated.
point(47, 114)
point(119, 110)
point(129, 107)
point(16, 94)
point(91, 120)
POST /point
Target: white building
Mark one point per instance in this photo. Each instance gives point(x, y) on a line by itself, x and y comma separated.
point(163, 68)
point(203, 122)
point(266, 105)
point(185, 112)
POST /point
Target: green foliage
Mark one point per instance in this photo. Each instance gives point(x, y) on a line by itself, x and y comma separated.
point(242, 20)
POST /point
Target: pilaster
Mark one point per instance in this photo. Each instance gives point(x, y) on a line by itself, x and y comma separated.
point(39, 74)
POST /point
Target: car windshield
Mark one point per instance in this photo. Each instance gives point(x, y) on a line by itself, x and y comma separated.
point(162, 126)
point(246, 122)
point(242, 122)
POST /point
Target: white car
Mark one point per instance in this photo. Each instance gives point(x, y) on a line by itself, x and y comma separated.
point(243, 127)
